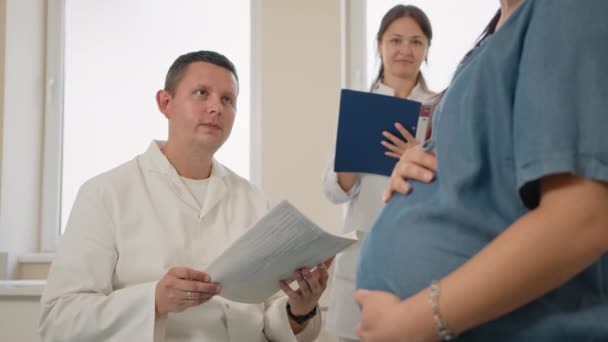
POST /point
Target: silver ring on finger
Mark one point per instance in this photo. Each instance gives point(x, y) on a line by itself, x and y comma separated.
point(189, 295)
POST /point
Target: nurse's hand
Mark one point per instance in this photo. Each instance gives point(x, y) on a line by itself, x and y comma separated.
point(181, 288)
point(414, 164)
point(396, 147)
point(312, 284)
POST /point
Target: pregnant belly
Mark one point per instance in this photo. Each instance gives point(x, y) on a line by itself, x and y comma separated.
point(414, 240)
point(425, 236)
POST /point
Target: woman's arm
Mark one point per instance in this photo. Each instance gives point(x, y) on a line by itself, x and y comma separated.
point(542, 250)
point(339, 187)
point(566, 233)
point(347, 180)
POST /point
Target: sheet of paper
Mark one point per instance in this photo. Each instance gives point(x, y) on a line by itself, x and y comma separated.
point(279, 243)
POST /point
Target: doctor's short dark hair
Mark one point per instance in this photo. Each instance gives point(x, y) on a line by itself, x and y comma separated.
point(178, 68)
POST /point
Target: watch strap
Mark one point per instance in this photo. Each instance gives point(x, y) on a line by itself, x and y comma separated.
point(301, 319)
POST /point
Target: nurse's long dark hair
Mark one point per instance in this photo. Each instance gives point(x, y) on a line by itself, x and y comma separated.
point(487, 32)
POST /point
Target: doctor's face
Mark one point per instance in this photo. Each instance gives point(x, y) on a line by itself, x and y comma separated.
point(202, 110)
point(403, 48)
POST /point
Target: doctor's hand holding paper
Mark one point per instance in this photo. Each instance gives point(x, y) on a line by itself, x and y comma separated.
point(181, 288)
point(311, 286)
point(132, 264)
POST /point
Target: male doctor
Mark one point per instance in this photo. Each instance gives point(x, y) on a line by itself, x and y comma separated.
point(131, 265)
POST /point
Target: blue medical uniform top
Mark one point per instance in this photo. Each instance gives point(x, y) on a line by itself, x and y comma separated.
point(531, 101)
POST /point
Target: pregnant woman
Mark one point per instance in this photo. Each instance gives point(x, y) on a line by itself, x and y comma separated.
point(508, 242)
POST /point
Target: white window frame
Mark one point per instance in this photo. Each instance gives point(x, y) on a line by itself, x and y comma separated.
point(50, 210)
point(50, 207)
point(24, 55)
point(354, 56)
point(32, 167)
point(255, 122)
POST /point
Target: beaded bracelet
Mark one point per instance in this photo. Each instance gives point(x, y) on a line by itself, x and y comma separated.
point(442, 328)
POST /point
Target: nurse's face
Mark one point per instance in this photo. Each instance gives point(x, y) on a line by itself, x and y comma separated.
point(403, 48)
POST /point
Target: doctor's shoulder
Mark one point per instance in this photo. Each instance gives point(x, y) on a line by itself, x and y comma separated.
point(242, 189)
point(112, 183)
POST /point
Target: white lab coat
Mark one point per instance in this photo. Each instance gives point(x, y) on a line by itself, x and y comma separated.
point(127, 228)
point(363, 202)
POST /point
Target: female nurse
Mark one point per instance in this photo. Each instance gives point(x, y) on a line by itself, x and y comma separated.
point(403, 41)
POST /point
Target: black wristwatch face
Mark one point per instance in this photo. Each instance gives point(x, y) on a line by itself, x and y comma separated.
point(301, 319)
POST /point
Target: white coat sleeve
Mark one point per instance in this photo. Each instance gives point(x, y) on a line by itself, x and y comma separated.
point(79, 302)
point(276, 322)
point(332, 189)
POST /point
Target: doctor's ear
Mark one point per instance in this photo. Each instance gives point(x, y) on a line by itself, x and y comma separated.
point(163, 101)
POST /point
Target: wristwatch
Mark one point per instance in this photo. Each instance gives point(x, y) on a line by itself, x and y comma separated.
point(301, 319)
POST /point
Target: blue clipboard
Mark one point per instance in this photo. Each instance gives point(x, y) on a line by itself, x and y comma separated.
point(363, 117)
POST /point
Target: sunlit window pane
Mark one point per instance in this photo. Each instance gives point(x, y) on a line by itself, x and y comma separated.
point(116, 56)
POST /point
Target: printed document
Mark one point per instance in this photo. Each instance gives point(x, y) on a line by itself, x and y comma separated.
point(279, 243)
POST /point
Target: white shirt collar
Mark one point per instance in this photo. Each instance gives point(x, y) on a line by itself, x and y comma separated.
point(160, 163)
point(420, 93)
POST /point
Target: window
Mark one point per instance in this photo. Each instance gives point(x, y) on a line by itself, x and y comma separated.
point(110, 58)
point(456, 26)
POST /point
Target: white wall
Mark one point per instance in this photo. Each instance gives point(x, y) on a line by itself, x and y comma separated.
point(22, 112)
point(19, 318)
point(19, 310)
point(299, 61)
point(2, 30)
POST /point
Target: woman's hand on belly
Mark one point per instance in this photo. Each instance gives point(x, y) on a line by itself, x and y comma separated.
point(414, 164)
point(384, 317)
